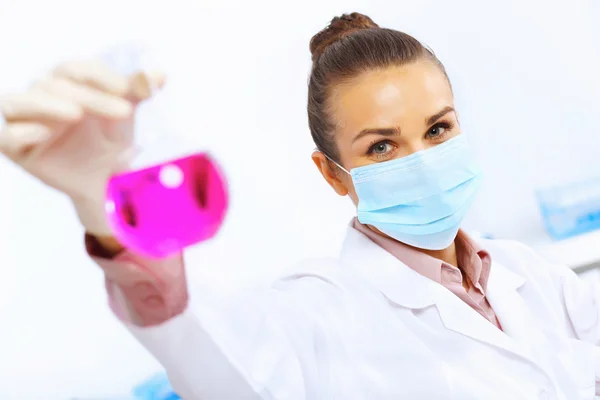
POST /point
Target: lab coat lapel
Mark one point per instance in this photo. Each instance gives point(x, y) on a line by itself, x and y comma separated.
point(407, 288)
point(457, 316)
point(509, 306)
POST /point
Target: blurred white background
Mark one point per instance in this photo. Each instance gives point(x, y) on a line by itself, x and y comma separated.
point(526, 77)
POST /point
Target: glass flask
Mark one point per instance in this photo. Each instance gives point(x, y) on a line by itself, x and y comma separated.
point(173, 195)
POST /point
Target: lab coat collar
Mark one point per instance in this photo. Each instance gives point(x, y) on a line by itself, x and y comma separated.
point(407, 288)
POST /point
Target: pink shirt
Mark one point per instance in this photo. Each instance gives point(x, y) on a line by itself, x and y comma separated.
point(473, 261)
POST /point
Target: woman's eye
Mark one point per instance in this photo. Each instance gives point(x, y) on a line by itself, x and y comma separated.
point(380, 148)
point(436, 131)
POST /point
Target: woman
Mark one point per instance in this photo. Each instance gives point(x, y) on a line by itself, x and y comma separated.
point(413, 308)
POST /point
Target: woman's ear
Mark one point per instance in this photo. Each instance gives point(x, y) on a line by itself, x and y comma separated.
point(330, 172)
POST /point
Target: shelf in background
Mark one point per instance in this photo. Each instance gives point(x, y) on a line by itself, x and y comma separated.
point(579, 252)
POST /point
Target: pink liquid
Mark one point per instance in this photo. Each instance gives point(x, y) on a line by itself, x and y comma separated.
point(160, 210)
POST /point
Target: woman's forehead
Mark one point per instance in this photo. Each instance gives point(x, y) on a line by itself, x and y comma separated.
point(391, 96)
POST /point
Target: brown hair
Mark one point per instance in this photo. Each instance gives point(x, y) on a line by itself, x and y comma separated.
point(351, 44)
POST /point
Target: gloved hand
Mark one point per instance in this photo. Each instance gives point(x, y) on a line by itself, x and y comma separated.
point(73, 129)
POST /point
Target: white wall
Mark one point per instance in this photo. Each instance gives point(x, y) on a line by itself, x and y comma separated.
point(526, 81)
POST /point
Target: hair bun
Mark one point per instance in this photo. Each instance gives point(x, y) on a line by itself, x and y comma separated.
point(338, 28)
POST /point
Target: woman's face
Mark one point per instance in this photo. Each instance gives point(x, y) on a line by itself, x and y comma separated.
point(386, 114)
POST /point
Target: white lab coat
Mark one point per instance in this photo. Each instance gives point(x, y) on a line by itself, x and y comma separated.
point(365, 326)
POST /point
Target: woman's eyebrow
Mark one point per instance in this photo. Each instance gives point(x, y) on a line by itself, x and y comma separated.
point(440, 114)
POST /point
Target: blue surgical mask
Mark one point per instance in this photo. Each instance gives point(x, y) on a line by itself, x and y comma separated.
point(420, 199)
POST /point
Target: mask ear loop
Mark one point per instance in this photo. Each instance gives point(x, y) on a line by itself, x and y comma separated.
point(336, 164)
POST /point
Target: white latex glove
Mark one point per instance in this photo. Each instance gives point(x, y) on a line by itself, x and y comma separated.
point(73, 129)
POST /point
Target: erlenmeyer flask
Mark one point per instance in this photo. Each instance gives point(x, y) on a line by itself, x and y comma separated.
point(174, 195)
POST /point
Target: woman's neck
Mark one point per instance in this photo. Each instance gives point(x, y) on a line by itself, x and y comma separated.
point(447, 255)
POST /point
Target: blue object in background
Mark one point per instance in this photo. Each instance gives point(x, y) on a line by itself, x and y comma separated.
point(570, 210)
point(155, 388)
